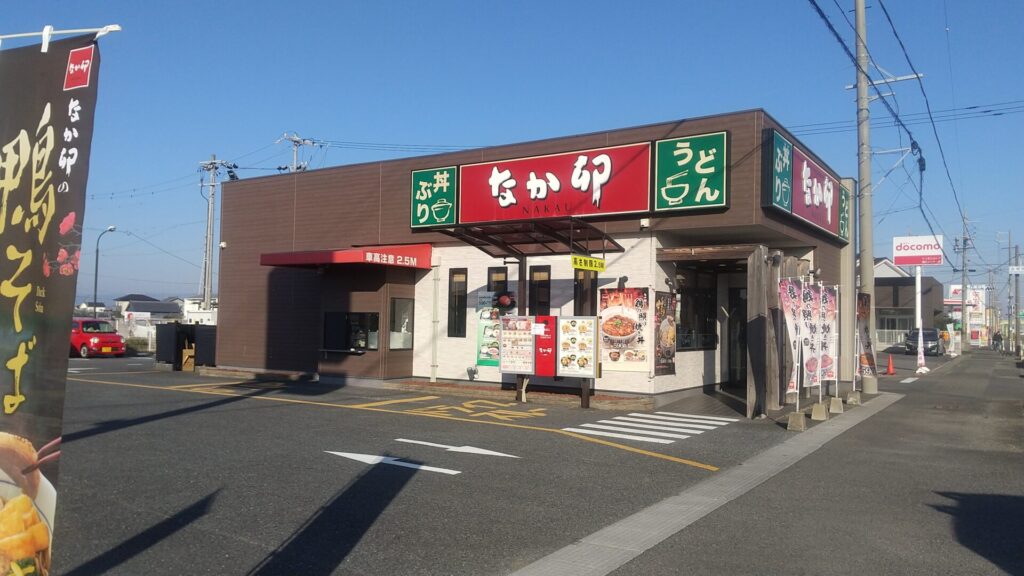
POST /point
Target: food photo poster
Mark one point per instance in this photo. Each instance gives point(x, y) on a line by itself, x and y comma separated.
point(624, 328)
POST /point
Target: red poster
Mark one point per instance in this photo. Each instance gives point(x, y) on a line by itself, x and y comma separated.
point(544, 330)
point(815, 193)
point(589, 182)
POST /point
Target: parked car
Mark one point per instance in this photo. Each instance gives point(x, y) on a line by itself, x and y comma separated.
point(93, 337)
point(933, 344)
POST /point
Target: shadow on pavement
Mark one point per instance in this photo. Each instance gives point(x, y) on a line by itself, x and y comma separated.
point(989, 525)
point(327, 537)
point(114, 425)
point(144, 540)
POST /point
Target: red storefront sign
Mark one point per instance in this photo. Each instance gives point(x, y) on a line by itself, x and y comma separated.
point(544, 343)
point(407, 256)
point(600, 181)
point(815, 193)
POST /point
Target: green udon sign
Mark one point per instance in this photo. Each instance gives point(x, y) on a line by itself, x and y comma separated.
point(691, 172)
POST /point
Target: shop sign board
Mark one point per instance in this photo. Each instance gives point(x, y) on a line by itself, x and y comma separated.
point(434, 197)
point(595, 182)
point(691, 172)
point(917, 250)
point(487, 327)
point(624, 329)
point(578, 346)
point(544, 330)
point(797, 185)
point(1016, 270)
point(516, 354)
point(587, 263)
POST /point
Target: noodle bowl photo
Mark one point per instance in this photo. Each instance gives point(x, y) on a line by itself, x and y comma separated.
point(620, 325)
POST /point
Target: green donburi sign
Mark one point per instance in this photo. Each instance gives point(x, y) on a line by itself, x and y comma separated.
point(433, 197)
point(691, 172)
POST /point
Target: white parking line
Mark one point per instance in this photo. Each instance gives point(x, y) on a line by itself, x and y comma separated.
point(700, 416)
point(908, 380)
point(635, 431)
point(639, 423)
point(614, 435)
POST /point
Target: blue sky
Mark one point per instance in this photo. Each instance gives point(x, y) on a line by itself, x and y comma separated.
point(185, 80)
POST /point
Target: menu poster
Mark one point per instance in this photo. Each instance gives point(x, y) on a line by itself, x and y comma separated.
point(624, 331)
point(866, 352)
point(486, 330)
point(577, 346)
point(516, 338)
point(665, 329)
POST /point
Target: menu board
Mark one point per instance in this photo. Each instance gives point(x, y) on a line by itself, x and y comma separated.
point(577, 346)
point(516, 338)
point(486, 330)
point(624, 330)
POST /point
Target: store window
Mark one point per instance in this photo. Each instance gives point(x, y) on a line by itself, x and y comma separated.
point(697, 319)
point(351, 330)
point(540, 290)
point(584, 293)
point(400, 336)
point(497, 279)
point(457, 302)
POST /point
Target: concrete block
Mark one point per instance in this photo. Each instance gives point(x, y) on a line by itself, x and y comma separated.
point(853, 398)
point(835, 406)
point(819, 412)
point(797, 422)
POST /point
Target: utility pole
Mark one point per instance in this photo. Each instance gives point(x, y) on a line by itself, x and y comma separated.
point(211, 168)
point(964, 316)
point(867, 250)
point(297, 142)
point(1016, 304)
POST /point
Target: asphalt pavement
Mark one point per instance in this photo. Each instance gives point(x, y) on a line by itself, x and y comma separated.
point(170, 473)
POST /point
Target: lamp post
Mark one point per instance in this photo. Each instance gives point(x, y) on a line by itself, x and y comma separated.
point(96, 272)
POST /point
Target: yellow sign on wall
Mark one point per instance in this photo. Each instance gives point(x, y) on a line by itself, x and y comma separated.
point(587, 263)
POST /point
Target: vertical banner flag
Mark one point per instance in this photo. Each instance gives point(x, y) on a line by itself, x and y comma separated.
point(665, 330)
point(47, 103)
point(866, 353)
point(789, 300)
point(829, 333)
point(810, 319)
point(624, 335)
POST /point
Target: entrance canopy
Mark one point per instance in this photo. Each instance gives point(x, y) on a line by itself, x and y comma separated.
point(524, 238)
point(406, 256)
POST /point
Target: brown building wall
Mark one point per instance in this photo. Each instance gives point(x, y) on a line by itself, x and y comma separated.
point(271, 317)
point(899, 293)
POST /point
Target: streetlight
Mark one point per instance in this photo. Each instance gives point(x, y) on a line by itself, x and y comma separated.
point(96, 272)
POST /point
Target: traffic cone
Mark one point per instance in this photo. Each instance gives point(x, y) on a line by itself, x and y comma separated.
point(890, 371)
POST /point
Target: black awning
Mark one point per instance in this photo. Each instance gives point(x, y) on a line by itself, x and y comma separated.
point(520, 239)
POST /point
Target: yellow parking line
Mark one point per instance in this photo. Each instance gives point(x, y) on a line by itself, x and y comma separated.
point(386, 402)
point(221, 392)
point(203, 385)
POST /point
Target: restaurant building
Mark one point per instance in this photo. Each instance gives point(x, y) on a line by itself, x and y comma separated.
point(402, 269)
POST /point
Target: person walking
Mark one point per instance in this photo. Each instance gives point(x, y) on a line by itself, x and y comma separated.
point(997, 341)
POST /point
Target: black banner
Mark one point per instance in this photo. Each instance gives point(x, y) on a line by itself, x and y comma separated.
point(47, 104)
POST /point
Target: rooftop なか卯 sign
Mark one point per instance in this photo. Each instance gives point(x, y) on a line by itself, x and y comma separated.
point(795, 184)
point(595, 182)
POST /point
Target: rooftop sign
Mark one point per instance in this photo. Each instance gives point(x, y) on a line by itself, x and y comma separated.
point(917, 250)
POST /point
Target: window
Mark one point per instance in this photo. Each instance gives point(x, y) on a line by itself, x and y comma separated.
point(584, 293)
point(400, 337)
point(351, 330)
point(540, 290)
point(697, 320)
point(497, 279)
point(457, 303)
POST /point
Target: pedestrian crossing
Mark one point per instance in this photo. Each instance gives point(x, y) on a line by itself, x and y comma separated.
point(656, 428)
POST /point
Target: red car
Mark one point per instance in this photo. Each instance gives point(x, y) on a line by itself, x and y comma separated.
point(92, 337)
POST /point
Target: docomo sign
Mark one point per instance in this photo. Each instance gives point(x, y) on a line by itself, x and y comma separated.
point(599, 181)
point(917, 250)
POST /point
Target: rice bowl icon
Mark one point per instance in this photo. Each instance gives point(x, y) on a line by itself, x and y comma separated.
point(442, 209)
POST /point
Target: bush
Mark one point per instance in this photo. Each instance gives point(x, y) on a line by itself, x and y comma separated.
point(135, 345)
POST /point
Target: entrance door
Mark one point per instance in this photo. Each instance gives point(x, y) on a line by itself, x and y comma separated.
point(737, 376)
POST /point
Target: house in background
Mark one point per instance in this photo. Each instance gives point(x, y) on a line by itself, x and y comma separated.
point(895, 306)
point(193, 313)
point(121, 304)
point(92, 309)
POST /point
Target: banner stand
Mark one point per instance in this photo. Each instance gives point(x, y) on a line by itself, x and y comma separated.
point(48, 32)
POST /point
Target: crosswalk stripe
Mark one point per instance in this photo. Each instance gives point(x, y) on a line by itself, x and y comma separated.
point(688, 421)
point(614, 435)
point(635, 431)
point(638, 423)
point(700, 416)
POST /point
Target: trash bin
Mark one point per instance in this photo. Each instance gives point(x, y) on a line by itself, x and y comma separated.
point(206, 345)
point(171, 340)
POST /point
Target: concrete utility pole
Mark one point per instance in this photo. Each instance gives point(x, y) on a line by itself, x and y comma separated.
point(964, 316)
point(867, 251)
point(297, 142)
point(211, 168)
point(1016, 304)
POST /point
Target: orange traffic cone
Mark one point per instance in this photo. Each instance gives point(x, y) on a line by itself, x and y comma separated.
point(890, 371)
